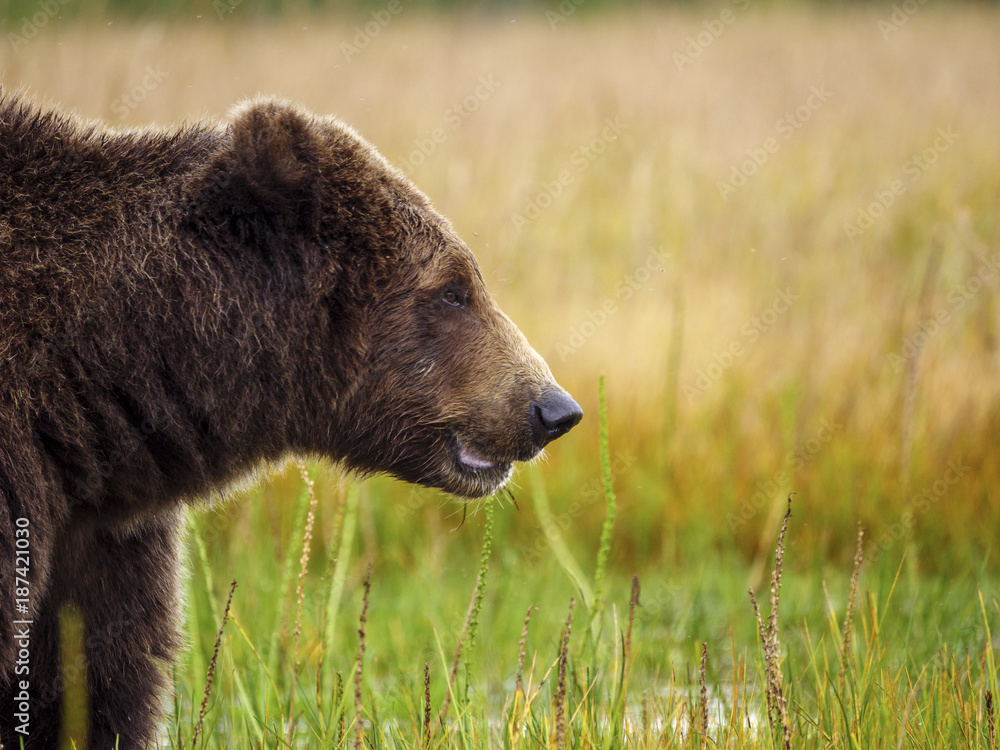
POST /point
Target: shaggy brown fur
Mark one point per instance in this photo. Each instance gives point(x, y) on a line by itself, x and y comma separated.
point(177, 308)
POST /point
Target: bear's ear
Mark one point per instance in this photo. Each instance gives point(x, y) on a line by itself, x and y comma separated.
point(262, 186)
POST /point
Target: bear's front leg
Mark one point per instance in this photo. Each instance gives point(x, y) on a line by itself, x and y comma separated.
point(37, 685)
point(125, 584)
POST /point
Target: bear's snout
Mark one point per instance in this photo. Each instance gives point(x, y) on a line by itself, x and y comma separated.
point(552, 416)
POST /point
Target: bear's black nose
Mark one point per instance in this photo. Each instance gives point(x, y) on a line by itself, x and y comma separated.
point(555, 414)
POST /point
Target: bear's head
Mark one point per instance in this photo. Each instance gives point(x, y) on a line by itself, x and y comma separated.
point(412, 368)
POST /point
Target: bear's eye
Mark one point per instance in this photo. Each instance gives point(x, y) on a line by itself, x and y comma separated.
point(451, 297)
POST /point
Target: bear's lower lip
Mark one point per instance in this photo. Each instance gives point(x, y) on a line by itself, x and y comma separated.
point(473, 460)
point(473, 464)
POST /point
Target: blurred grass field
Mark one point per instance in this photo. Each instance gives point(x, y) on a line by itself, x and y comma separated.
point(778, 242)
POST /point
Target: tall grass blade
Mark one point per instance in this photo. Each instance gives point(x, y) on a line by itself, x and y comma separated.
point(555, 539)
point(340, 565)
point(303, 568)
point(199, 544)
point(211, 668)
point(467, 638)
point(292, 555)
point(609, 521)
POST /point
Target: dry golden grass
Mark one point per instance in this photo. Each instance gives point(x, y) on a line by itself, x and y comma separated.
point(824, 361)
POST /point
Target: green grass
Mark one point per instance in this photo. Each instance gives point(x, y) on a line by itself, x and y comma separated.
point(918, 669)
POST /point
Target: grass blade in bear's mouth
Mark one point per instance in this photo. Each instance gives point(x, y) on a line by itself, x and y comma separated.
point(471, 460)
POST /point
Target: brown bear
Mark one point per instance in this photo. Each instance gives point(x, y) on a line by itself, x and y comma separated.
point(178, 307)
